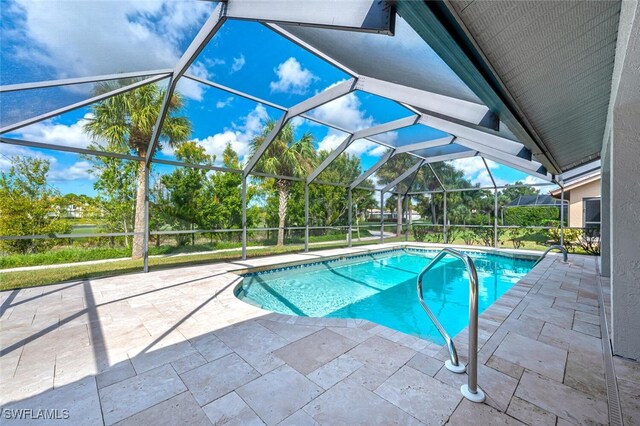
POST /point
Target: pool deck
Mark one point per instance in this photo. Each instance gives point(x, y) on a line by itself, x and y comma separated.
point(175, 346)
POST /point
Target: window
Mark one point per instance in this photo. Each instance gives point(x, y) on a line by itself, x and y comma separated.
point(591, 208)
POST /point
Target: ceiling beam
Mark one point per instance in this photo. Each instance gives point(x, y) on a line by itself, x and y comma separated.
point(425, 145)
point(80, 80)
point(372, 169)
point(206, 33)
point(445, 105)
point(373, 16)
point(304, 106)
point(361, 134)
point(68, 108)
point(403, 176)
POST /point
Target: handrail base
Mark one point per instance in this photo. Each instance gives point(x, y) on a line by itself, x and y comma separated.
point(479, 396)
point(458, 369)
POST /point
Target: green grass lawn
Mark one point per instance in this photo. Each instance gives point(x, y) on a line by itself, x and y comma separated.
point(11, 280)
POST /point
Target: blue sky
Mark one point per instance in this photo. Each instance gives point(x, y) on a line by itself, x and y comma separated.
point(43, 41)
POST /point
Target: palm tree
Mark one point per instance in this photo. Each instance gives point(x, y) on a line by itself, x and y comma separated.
point(285, 157)
point(127, 120)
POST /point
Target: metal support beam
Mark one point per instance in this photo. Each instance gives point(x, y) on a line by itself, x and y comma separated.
point(306, 217)
point(361, 134)
point(447, 157)
point(381, 216)
point(436, 176)
point(68, 108)
point(447, 106)
point(80, 80)
point(145, 240)
point(425, 145)
point(562, 215)
point(320, 99)
point(244, 217)
point(504, 154)
point(55, 147)
point(403, 176)
point(206, 33)
point(365, 16)
point(444, 222)
point(350, 215)
point(372, 169)
point(496, 243)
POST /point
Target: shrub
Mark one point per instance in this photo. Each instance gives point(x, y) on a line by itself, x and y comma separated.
point(469, 237)
point(485, 235)
point(530, 216)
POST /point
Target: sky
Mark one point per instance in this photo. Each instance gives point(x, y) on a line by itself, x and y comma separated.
point(64, 39)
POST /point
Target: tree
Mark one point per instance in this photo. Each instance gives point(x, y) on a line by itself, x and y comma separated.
point(512, 192)
point(28, 206)
point(285, 156)
point(116, 187)
point(184, 185)
point(128, 120)
point(391, 170)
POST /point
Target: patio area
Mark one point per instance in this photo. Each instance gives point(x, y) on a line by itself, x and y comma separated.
point(176, 346)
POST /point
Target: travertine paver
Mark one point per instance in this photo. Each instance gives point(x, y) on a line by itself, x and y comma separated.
point(231, 410)
point(315, 350)
point(537, 356)
point(176, 346)
point(218, 377)
point(278, 394)
point(181, 409)
point(123, 399)
point(363, 407)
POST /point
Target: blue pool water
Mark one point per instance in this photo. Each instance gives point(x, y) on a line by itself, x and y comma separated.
point(381, 288)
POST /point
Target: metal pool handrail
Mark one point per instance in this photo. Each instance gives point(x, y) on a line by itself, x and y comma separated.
point(553, 247)
point(471, 390)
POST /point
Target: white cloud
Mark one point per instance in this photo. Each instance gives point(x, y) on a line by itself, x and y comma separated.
point(92, 38)
point(347, 112)
point(292, 78)
point(473, 169)
point(224, 103)
point(239, 135)
point(238, 63)
point(530, 180)
point(9, 151)
point(78, 171)
point(57, 172)
point(59, 134)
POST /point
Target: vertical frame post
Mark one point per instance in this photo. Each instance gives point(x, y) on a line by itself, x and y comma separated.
point(244, 217)
point(444, 228)
point(145, 243)
point(306, 217)
point(495, 218)
point(562, 216)
point(350, 216)
point(407, 216)
point(381, 216)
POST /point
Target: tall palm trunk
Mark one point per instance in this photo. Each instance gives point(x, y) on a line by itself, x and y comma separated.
point(399, 216)
point(138, 223)
point(283, 199)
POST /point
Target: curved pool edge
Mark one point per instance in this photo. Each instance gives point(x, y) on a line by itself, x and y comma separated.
point(502, 304)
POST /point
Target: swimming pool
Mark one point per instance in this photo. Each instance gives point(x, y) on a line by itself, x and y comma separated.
point(381, 288)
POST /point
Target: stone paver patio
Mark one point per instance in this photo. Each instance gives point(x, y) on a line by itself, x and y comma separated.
point(176, 347)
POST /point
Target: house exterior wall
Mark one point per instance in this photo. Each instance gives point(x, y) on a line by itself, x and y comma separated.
point(576, 195)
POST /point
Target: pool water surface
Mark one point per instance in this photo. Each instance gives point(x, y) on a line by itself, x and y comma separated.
point(381, 288)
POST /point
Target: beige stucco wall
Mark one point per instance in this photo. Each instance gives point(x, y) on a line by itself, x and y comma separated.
point(576, 215)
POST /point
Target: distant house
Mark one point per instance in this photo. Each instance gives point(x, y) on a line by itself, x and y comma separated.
point(583, 196)
point(374, 214)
